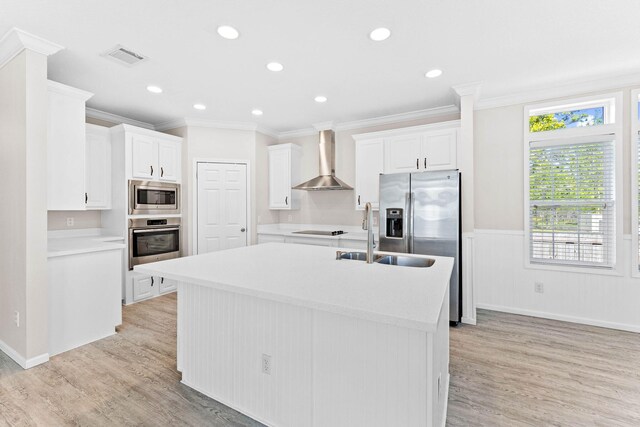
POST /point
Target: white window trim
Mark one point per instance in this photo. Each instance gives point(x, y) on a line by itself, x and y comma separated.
point(614, 101)
point(635, 128)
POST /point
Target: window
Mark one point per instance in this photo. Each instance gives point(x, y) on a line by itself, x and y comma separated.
point(572, 184)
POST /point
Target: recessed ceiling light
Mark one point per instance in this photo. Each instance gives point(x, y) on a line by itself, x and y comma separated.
point(154, 89)
point(380, 34)
point(228, 32)
point(320, 98)
point(256, 112)
point(433, 73)
point(199, 106)
point(275, 66)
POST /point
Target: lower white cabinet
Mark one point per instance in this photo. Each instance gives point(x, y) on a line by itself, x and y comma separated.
point(85, 298)
point(141, 287)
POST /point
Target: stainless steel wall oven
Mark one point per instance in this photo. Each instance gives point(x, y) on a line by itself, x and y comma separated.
point(153, 239)
point(153, 197)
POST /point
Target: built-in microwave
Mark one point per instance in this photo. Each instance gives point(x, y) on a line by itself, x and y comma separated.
point(153, 197)
point(153, 239)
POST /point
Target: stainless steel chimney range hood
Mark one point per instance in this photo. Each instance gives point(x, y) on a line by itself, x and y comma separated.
point(327, 180)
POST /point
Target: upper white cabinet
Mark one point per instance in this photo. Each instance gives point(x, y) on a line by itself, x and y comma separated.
point(66, 147)
point(97, 167)
point(369, 166)
point(424, 151)
point(284, 172)
point(155, 157)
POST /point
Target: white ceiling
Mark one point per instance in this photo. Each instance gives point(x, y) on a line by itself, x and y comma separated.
point(508, 45)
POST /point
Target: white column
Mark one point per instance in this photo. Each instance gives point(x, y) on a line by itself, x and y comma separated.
point(468, 95)
point(23, 161)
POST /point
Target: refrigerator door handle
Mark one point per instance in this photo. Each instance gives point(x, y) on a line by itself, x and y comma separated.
point(409, 217)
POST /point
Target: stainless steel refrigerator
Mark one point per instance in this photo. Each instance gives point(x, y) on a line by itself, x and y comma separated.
point(421, 213)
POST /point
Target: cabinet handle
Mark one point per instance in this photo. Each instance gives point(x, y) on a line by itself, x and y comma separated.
point(152, 281)
point(162, 280)
point(286, 200)
point(86, 198)
point(151, 170)
point(425, 162)
point(417, 163)
point(358, 200)
point(162, 169)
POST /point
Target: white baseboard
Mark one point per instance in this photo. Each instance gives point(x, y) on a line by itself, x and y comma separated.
point(17, 357)
point(468, 320)
point(561, 317)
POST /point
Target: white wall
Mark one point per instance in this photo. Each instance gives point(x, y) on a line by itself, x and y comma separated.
point(23, 248)
point(57, 220)
point(502, 282)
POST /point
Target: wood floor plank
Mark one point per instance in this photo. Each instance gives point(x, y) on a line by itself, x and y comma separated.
point(508, 370)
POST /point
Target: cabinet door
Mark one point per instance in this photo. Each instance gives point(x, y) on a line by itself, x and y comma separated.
point(65, 152)
point(439, 150)
point(98, 168)
point(369, 166)
point(402, 153)
point(168, 161)
point(144, 157)
point(166, 285)
point(143, 287)
point(280, 179)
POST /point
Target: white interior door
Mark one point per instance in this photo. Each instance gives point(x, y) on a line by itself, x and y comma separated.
point(222, 206)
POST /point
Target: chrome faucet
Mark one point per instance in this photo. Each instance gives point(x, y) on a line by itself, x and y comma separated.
point(367, 224)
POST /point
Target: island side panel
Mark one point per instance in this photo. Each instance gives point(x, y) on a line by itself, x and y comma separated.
point(224, 336)
point(368, 374)
point(438, 371)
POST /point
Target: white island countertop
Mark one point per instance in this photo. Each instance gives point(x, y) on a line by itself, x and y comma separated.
point(310, 276)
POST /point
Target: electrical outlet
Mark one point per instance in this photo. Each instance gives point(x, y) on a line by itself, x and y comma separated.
point(290, 218)
point(70, 222)
point(16, 318)
point(539, 287)
point(266, 364)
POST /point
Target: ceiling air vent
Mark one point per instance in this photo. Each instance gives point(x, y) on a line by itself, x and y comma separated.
point(124, 56)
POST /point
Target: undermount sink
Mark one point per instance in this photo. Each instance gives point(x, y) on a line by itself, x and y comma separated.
point(402, 261)
point(357, 256)
point(405, 261)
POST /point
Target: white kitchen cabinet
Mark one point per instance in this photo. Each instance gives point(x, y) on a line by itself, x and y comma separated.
point(421, 151)
point(284, 173)
point(154, 158)
point(66, 137)
point(144, 157)
point(168, 156)
point(142, 287)
point(166, 285)
point(369, 166)
point(97, 167)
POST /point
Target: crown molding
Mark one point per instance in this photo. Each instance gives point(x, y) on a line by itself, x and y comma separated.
point(576, 88)
point(398, 118)
point(63, 89)
point(206, 123)
point(375, 121)
point(116, 119)
point(452, 124)
point(17, 40)
point(465, 89)
point(319, 127)
point(267, 131)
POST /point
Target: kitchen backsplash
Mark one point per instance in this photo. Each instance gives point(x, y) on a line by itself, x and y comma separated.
point(57, 220)
point(325, 207)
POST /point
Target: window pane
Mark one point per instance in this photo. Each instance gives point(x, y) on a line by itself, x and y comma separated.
point(571, 196)
point(567, 119)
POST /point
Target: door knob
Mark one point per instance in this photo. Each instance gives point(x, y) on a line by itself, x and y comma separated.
point(243, 229)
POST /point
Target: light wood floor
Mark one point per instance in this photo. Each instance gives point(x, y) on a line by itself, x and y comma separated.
point(507, 371)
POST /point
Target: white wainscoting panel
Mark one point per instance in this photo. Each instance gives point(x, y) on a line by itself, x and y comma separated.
point(468, 294)
point(503, 283)
point(327, 369)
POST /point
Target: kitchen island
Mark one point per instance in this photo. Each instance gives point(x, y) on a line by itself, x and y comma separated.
point(290, 336)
